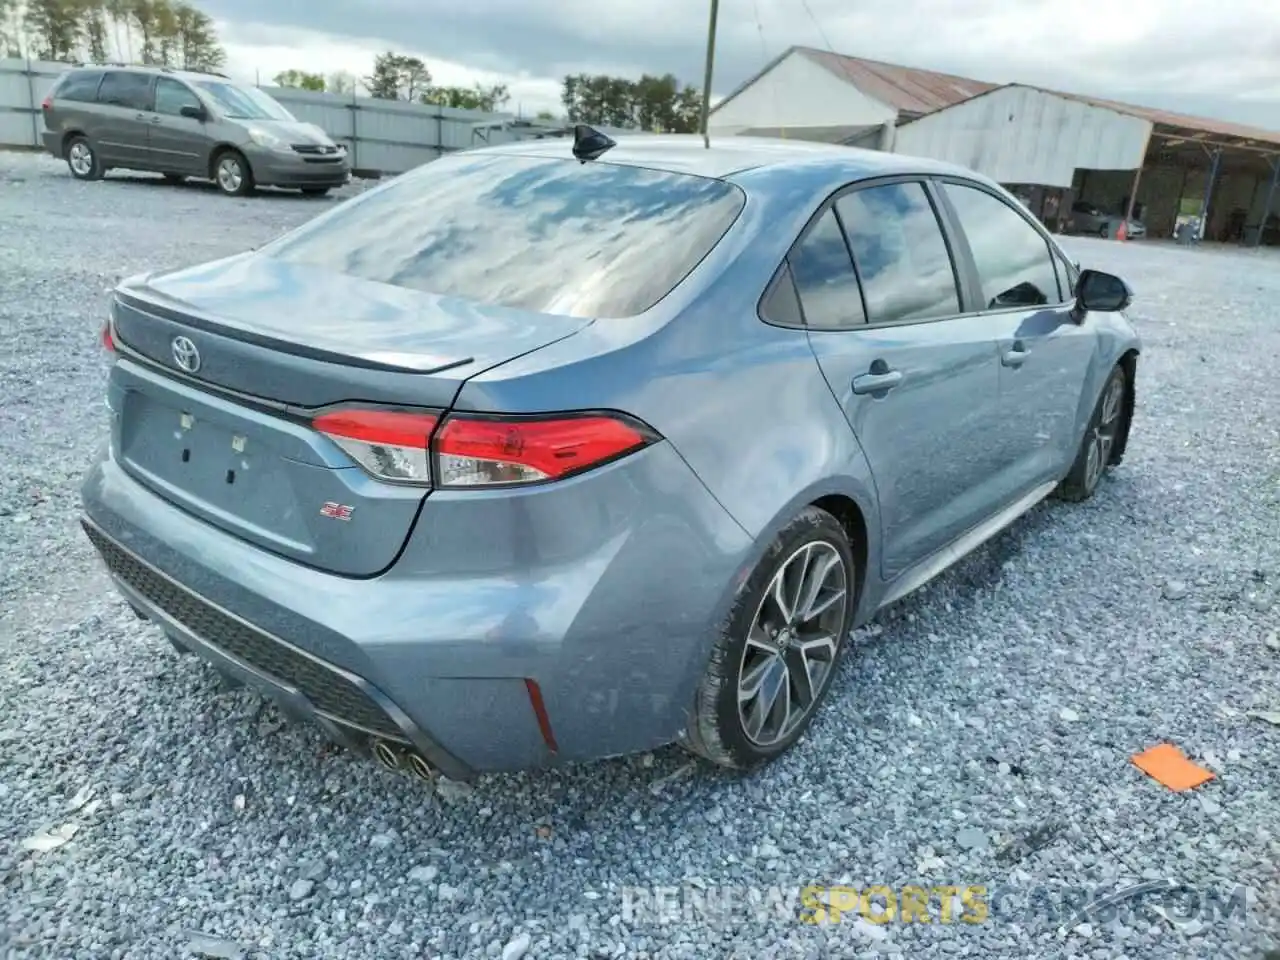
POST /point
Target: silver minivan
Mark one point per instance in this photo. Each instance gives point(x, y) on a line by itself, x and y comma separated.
point(185, 124)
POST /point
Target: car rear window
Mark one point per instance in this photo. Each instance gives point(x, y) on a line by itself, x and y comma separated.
point(551, 235)
point(80, 86)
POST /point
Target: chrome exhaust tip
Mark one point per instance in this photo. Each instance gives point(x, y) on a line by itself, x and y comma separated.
point(420, 768)
point(386, 754)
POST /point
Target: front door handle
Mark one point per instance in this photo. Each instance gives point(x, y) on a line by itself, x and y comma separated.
point(877, 382)
point(157, 120)
point(1015, 356)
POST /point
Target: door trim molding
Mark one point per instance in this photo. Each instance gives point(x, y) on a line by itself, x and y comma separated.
point(917, 576)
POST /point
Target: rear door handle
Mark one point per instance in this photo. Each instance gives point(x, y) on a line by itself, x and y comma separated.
point(1015, 356)
point(877, 382)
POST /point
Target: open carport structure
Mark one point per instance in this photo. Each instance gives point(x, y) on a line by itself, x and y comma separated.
point(1124, 159)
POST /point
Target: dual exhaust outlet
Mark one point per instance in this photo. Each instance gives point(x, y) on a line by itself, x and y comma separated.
point(397, 759)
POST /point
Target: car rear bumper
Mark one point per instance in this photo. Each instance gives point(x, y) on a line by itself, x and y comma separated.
point(52, 140)
point(477, 670)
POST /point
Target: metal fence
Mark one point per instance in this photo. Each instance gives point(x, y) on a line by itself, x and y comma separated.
point(382, 136)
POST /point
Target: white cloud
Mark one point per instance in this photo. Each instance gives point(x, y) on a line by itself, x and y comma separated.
point(257, 53)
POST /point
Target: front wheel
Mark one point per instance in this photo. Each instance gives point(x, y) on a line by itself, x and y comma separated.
point(83, 160)
point(232, 174)
point(1099, 441)
point(775, 659)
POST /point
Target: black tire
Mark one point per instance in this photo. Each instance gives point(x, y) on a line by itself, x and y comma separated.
point(717, 730)
point(315, 191)
point(1098, 446)
point(82, 159)
point(175, 178)
point(1104, 231)
point(233, 185)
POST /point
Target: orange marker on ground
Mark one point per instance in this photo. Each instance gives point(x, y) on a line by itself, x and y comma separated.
point(1167, 765)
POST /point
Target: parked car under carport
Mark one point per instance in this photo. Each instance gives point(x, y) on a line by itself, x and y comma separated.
point(1087, 219)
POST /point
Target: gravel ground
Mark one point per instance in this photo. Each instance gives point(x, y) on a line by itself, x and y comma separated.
point(979, 736)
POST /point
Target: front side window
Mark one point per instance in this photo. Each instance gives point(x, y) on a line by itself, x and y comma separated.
point(543, 234)
point(824, 277)
point(243, 103)
point(172, 96)
point(80, 87)
point(1015, 268)
point(900, 252)
point(122, 89)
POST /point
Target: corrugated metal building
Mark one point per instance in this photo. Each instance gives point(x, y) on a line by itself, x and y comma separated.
point(812, 94)
point(1054, 148)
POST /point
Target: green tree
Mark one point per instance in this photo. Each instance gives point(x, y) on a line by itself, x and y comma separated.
point(118, 13)
point(650, 103)
point(93, 24)
point(545, 116)
point(196, 41)
point(341, 82)
point(300, 79)
point(397, 76)
point(10, 28)
point(142, 15)
point(53, 28)
point(477, 97)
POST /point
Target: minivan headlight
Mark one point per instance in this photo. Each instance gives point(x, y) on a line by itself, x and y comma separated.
point(265, 138)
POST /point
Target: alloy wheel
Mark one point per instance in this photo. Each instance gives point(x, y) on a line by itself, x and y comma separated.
point(1103, 436)
point(792, 644)
point(230, 174)
point(81, 158)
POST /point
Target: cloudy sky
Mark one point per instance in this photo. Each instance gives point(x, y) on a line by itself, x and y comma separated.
point(1219, 58)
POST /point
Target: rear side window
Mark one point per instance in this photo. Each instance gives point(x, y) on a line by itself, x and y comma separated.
point(122, 89)
point(824, 277)
point(782, 303)
point(901, 255)
point(81, 86)
point(1014, 265)
point(551, 235)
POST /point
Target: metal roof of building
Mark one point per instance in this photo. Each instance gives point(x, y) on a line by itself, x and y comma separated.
point(909, 90)
point(914, 92)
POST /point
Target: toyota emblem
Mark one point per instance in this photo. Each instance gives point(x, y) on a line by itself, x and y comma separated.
point(185, 354)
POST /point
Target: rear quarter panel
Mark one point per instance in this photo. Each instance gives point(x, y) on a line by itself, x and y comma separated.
point(744, 403)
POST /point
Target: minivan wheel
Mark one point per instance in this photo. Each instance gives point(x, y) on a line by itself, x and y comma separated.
point(232, 174)
point(778, 652)
point(1099, 440)
point(82, 160)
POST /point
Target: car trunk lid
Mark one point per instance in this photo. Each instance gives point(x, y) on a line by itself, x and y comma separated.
point(225, 433)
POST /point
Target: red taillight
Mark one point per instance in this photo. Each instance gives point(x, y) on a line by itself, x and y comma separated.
point(46, 103)
point(472, 451)
point(108, 342)
point(389, 444)
point(490, 451)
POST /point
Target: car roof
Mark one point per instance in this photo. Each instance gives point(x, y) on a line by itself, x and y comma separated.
point(147, 69)
point(729, 156)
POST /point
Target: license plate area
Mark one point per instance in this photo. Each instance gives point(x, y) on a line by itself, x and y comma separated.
point(229, 472)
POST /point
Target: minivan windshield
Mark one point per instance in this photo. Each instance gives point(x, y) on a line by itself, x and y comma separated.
point(544, 234)
point(243, 103)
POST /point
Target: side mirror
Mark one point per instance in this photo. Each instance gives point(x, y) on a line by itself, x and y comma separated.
point(1102, 293)
point(193, 112)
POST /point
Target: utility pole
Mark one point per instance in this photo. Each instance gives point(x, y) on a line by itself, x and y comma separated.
point(706, 83)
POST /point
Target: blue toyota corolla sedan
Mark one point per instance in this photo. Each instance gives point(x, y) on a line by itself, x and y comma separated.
point(568, 449)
